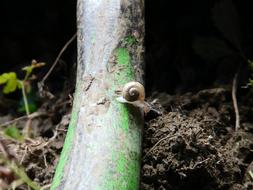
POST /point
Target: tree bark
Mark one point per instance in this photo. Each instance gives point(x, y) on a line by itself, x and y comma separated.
point(102, 149)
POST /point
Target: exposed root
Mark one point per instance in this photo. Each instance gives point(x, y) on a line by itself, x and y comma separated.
point(237, 115)
point(156, 144)
point(31, 116)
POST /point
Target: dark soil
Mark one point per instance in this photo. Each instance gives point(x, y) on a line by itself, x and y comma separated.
point(194, 145)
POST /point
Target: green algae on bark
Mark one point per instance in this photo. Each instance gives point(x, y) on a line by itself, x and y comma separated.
point(103, 145)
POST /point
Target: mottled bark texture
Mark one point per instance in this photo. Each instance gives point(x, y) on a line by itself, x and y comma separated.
point(103, 145)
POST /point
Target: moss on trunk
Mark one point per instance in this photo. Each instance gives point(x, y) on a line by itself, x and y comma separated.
point(102, 149)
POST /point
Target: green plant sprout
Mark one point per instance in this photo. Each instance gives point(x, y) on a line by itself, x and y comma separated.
point(12, 83)
point(20, 172)
point(13, 133)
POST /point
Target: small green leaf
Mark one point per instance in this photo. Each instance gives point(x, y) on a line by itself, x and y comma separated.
point(251, 82)
point(13, 133)
point(33, 65)
point(10, 80)
point(11, 84)
point(250, 65)
point(3, 78)
point(28, 69)
point(19, 84)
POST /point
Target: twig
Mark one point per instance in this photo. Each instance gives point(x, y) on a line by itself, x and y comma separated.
point(251, 174)
point(58, 57)
point(45, 160)
point(27, 128)
point(200, 162)
point(31, 116)
point(23, 157)
point(237, 116)
point(46, 186)
point(4, 150)
point(40, 146)
point(162, 139)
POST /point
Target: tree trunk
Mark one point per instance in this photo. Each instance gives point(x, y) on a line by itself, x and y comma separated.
point(102, 149)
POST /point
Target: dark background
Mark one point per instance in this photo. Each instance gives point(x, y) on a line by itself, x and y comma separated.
point(222, 31)
point(39, 29)
point(36, 30)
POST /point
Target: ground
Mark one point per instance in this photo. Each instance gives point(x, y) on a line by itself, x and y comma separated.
point(194, 145)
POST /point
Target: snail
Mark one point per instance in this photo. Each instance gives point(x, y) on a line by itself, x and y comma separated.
point(134, 93)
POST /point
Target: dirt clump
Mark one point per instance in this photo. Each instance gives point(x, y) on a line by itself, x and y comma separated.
point(193, 145)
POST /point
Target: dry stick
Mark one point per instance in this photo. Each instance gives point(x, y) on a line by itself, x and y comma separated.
point(3, 149)
point(27, 128)
point(41, 146)
point(58, 57)
point(251, 174)
point(46, 186)
point(237, 116)
point(162, 139)
point(31, 116)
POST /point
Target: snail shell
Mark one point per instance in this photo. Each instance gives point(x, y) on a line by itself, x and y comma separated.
point(133, 91)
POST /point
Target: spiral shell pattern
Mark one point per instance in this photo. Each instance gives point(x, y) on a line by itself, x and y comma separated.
point(133, 91)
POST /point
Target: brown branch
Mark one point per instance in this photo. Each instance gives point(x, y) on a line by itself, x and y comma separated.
point(237, 116)
point(162, 139)
point(58, 57)
point(4, 150)
point(31, 116)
